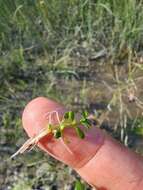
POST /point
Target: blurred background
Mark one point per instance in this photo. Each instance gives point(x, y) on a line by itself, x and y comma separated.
point(87, 54)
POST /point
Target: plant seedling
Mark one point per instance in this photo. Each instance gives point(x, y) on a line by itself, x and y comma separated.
point(68, 121)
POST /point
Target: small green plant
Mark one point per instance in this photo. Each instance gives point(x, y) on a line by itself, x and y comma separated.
point(79, 185)
point(138, 127)
point(69, 120)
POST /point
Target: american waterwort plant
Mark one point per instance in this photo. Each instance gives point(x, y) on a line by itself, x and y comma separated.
point(68, 121)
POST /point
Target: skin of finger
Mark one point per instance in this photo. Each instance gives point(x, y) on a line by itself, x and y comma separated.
point(115, 167)
point(71, 150)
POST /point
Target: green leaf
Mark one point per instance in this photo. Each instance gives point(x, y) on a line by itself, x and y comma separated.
point(84, 114)
point(79, 132)
point(138, 130)
point(57, 134)
point(79, 185)
point(85, 122)
point(69, 115)
point(66, 115)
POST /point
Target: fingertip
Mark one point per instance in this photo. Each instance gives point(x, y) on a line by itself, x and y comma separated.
point(34, 117)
